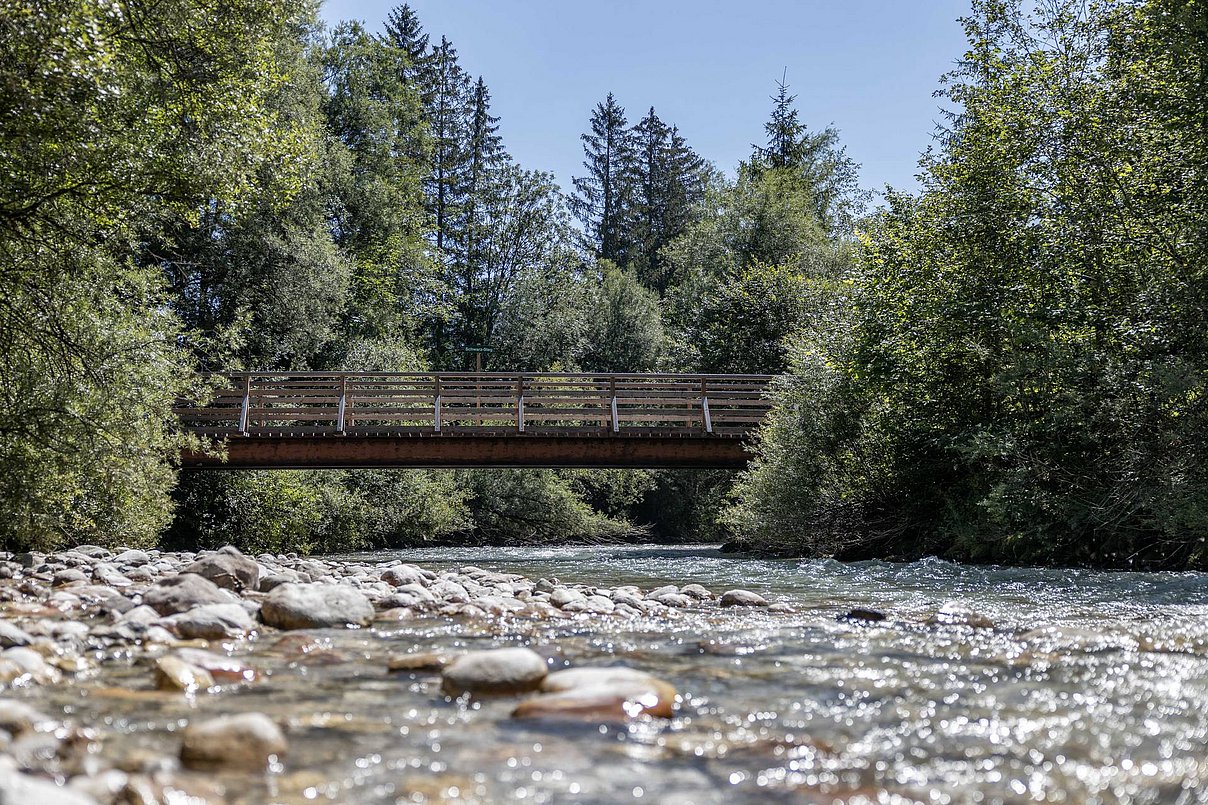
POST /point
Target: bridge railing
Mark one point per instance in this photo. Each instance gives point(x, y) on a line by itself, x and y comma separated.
point(337, 403)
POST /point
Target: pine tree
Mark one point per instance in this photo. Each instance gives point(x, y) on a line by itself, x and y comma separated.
point(483, 159)
point(404, 32)
point(603, 197)
point(447, 84)
point(815, 158)
point(787, 136)
point(669, 181)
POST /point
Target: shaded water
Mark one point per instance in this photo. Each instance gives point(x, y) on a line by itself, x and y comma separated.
point(1088, 687)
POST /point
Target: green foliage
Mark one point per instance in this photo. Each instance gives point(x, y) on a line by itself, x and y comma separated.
point(1024, 375)
point(280, 511)
point(104, 144)
point(532, 507)
point(624, 330)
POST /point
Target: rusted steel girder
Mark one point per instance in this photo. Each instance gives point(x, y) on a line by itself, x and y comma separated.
point(473, 450)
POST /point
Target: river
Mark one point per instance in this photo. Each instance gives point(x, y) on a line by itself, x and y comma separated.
point(983, 684)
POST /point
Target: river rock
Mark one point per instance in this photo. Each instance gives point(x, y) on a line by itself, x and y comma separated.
point(219, 666)
point(24, 789)
point(227, 568)
point(311, 606)
point(132, 558)
point(497, 671)
point(211, 622)
point(863, 615)
point(742, 598)
point(92, 551)
point(599, 694)
point(109, 575)
point(25, 658)
point(11, 636)
point(696, 591)
point(18, 717)
point(421, 661)
point(562, 596)
point(182, 592)
point(954, 613)
point(68, 576)
point(678, 600)
point(627, 599)
point(173, 673)
point(242, 741)
point(29, 559)
point(399, 575)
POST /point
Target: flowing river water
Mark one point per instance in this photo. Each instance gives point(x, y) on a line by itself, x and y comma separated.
point(983, 684)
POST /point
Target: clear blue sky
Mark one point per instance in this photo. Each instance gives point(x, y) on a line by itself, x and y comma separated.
point(868, 67)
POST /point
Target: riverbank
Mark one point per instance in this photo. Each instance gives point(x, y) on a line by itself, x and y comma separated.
point(492, 675)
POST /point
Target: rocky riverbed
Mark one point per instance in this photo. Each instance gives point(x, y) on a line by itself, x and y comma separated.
point(140, 677)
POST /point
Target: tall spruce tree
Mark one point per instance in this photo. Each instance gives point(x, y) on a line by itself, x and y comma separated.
point(404, 32)
point(603, 198)
point(669, 182)
point(469, 243)
point(447, 87)
point(815, 157)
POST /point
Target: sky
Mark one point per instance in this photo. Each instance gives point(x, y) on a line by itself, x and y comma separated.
point(867, 67)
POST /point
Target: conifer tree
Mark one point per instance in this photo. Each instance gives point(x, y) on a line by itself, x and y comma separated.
point(669, 181)
point(447, 86)
point(404, 32)
point(603, 197)
point(816, 158)
point(479, 175)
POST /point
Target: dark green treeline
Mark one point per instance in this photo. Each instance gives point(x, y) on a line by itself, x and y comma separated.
point(1005, 366)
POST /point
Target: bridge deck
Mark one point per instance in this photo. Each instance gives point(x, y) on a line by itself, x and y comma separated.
point(477, 420)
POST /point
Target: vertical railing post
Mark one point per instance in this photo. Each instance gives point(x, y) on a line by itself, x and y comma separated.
point(343, 403)
point(704, 406)
point(436, 411)
point(612, 390)
point(247, 405)
point(520, 404)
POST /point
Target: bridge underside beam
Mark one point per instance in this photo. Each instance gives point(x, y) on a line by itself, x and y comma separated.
point(448, 451)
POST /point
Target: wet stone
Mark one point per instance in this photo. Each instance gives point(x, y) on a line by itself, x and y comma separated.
point(863, 615)
point(421, 661)
point(599, 694)
point(497, 671)
point(182, 592)
point(742, 598)
point(220, 667)
point(11, 636)
point(18, 717)
point(310, 606)
point(212, 622)
point(243, 741)
point(173, 673)
point(227, 568)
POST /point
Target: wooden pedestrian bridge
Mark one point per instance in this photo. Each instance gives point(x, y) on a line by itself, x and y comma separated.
point(447, 419)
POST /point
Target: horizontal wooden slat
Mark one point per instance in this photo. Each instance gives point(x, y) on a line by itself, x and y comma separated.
point(296, 403)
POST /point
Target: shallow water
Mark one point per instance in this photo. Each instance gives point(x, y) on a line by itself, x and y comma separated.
point(1088, 687)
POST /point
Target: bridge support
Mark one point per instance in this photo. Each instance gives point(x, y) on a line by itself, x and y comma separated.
point(466, 451)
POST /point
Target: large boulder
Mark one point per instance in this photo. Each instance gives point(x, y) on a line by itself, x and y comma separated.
point(183, 592)
point(227, 568)
point(242, 741)
point(315, 606)
point(498, 671)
